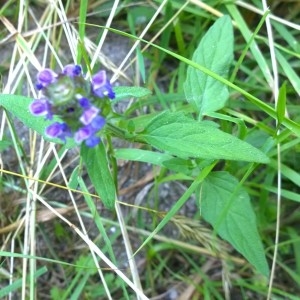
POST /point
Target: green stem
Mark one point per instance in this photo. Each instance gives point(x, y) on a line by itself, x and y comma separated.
point(112, 159)
point(117, 132)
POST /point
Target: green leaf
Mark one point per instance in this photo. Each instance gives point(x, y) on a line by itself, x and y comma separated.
point(184, 137)
point(18, 106)
point(226, 206)
point(155, 158)
point(97, 166)
point(291, 74)
point(215, 52)
point(123, 92)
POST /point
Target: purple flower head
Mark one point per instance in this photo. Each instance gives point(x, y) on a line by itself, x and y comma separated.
point(72, 70)
point(41, 107)
point(101, 86)
point(58, 130)
point(74, 99)
point(88, 115)
point(45, 77)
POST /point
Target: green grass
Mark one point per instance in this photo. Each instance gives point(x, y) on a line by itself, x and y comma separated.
point(57, 238)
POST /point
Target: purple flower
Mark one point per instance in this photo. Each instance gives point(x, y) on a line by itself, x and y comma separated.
point(92, 141)
point(72, 70)
point(98, 122)
point(45, 77)
point(58, 130)
point(41, 107)
point(101, 86)
point(88, 115)
point(83, 133)
point(84, 102)
point(87, 133)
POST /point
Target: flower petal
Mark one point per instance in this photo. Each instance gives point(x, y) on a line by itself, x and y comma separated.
point(99, 79)
point(92, 141)
point(54, 130)
point(82, 134)
point(101, 86)
point(72, 70)
point(40, 107)
point(110, 93)
point(58, 130)
point(84, 102)
point(98, 122)
point(45, 77)
point(88, 115)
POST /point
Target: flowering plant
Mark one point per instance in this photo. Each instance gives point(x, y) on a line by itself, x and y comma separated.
point(178, 139)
